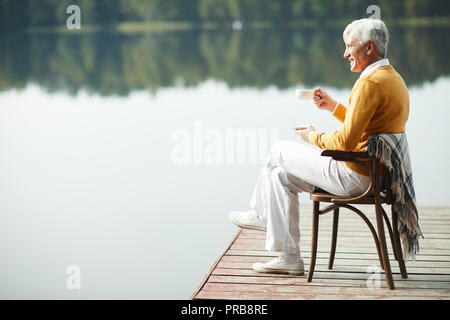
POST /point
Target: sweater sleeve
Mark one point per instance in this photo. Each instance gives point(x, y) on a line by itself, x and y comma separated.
point(362, 107)
point(340, 112)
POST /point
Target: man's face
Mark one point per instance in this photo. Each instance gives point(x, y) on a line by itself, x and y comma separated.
point(356, 53)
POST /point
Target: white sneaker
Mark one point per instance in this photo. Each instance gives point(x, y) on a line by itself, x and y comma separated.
point(247, 220)
point(279, 265)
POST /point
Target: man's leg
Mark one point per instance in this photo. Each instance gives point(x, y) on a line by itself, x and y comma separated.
point(283, 231)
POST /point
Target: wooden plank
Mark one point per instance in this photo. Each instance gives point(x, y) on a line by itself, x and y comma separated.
point(325, 273)
point(324, 290)
point(289, 296)
point(344, 258)
point(345, 233)
point(435, 244)
point(444, 272)
point(362, 275)
point(339, 255)
point(441, 265)
point(330, 280)
point(348, 250)
point(254, 277)
point(355, 231)
point(424, 212)
point(424, 249)
point(357, 278)
point(323, 248)
point(347, 247)
point(353, 217)
point(424, 244)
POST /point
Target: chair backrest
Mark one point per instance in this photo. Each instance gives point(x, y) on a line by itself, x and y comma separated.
point(386, 191)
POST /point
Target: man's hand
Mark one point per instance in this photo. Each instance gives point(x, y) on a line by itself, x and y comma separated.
point(304, 133)
point(323, 101)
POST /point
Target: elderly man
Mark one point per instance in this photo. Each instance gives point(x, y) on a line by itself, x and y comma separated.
point(378, 103)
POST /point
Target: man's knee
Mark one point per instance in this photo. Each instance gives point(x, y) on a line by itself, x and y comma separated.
point(278, 174)
point(280, 145)
point(277, 149)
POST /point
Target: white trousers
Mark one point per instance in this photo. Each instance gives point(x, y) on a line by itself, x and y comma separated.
point(291, 168)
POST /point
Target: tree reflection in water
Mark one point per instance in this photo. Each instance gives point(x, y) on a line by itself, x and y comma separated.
point(114, 64)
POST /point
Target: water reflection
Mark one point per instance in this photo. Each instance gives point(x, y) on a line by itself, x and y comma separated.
point(116, 64)
point(89, 181)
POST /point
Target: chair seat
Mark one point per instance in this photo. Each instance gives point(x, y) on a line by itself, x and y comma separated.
point(329, 197)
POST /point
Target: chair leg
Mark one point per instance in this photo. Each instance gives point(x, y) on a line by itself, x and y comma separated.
point(398, 246)
point(334, 238)
point(391, 234)
point(383, 246)
point(370, 226)
point(315, 231)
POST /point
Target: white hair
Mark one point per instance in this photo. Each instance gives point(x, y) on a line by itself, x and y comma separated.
point(369, 29)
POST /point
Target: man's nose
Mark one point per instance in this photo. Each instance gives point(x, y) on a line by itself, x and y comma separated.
point(346, 54)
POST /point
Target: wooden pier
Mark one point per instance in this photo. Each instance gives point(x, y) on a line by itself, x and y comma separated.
point(355, 267)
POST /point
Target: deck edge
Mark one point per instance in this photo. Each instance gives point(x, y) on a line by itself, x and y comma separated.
point(208, 274)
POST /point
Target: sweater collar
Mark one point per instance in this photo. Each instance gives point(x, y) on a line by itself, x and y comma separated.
point(370, 68)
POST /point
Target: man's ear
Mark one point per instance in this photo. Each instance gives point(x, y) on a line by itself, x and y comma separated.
point(371, 47)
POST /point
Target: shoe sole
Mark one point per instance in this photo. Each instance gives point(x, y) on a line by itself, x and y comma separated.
point(279, 271)
point(247, 226)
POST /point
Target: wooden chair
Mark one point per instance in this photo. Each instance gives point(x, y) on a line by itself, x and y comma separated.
point(374, 195)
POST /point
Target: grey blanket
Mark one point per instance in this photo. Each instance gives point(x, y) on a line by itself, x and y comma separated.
point(392, 150)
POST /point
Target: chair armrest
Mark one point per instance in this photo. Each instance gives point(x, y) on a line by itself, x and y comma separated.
point(355, 158)
point(344, 155)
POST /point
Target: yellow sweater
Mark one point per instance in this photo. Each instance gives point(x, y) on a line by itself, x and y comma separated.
point(379, 103)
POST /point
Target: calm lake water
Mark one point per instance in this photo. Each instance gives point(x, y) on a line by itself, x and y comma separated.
point(123, 154)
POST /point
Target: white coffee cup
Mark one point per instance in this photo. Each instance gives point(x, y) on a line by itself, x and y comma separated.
point(304, 94)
